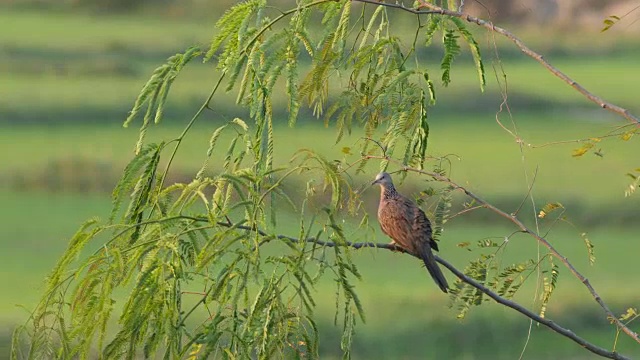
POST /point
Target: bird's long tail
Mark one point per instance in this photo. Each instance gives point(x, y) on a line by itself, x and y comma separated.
point(433, 268)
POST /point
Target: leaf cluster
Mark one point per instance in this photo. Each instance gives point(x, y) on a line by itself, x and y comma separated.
point(183, 269)
point(505, 280)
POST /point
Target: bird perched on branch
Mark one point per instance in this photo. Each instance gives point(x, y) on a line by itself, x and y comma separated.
point(407, 225)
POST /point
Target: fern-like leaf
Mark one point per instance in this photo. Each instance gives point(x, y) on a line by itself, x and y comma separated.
point(230, 25)
point(451, 50)
point(549, 285)
point(475, 49)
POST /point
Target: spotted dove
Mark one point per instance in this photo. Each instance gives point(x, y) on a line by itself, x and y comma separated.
point(407, 225)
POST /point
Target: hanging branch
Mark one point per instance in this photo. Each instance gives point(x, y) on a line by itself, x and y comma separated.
point(152, 201)
point(466, 279)
point(434, 9)
point(592, 97)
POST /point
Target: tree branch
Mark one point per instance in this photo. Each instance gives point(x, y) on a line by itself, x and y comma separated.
point(466, 279)
point(601, 102)
point(546, 243)
point(434, 9)
point(399, 6)
point(535, 317)
point(512, 218)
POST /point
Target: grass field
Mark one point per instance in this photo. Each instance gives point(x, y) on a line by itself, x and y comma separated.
point(64, 96)
point(560, 177)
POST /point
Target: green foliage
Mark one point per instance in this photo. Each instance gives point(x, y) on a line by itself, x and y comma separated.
point(549, 282)
point(586, 147)
point(475, 49)
point(442, 211)
point(609, 22)
point(193, 257)
point(590, 246)
point(451, 50)
point(628, 317)
point(550, 208)
point(155, 91)
point(558, 208)
point(635, 177)
point(464, 295)
point(505, 281)
point(417, 147)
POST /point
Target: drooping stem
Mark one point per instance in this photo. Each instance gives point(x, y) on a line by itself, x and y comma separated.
point(434, 9)
point(463, 277)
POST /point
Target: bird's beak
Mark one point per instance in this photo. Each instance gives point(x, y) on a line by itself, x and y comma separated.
point(374, 182)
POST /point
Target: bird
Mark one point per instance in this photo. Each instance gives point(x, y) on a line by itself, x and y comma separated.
point(408, 226)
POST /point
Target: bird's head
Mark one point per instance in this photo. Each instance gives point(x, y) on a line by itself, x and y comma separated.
point(383, 179)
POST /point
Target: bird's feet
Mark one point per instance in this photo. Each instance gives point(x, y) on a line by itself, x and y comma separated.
point(395, 247)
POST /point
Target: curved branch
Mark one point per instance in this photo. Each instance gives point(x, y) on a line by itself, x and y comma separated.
point(533, 316)
point(399, 6)
point(466, 279)
point(434, 9)
point(512, 218)
point(543, 241)
point(610, 315)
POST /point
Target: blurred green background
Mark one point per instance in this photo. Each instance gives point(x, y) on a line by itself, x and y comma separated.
point(69, 72)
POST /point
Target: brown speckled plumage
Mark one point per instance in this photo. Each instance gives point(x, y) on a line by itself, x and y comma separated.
point(407, 225)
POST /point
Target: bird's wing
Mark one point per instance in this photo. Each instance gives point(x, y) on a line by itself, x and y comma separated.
point(422, 228)
point(395, 220)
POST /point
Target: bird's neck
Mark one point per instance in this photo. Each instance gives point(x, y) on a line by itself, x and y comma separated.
point(387, 192)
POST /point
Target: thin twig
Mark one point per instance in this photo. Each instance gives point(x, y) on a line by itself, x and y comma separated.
point(613, 133)
point(464, 211)
point(382, 147)
point(535, 176)
point(398, 6)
